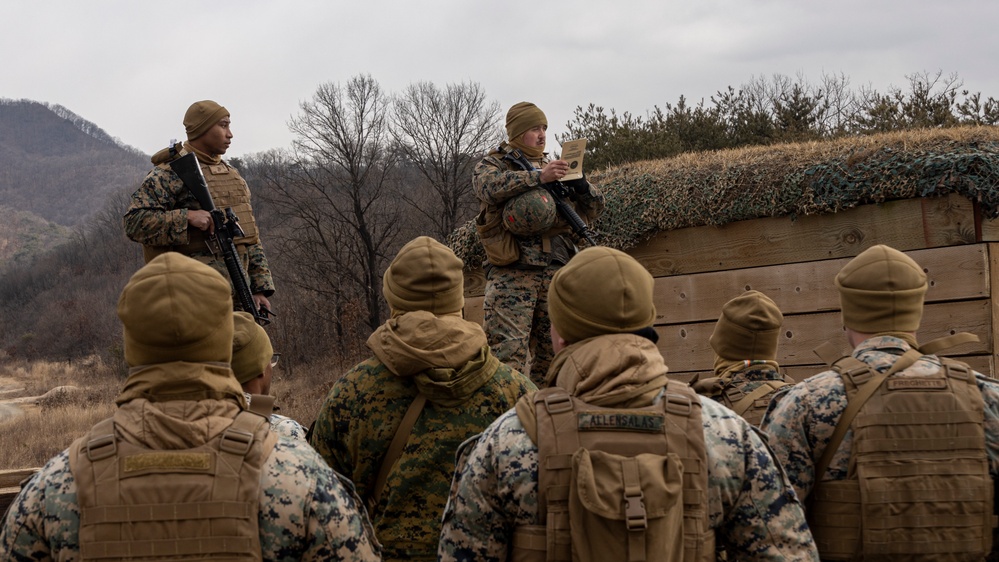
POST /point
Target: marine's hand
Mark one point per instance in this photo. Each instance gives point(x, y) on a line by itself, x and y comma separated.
point(554, 170)
point(580, 186)
point(202, 220)
point(261, 301)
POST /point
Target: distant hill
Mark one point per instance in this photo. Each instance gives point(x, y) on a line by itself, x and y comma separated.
point(24, 236)
point(59, 166)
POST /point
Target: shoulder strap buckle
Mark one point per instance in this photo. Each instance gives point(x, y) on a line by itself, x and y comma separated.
point(558, 402)
point(101, 447)
point(678, 404)
point(236, 441)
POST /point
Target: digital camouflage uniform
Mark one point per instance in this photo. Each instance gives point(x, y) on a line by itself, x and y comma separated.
point(365, 408)
point(752, 508)
point(801, 418)
point(744, 382)
point(515, 306)
point(157, 217)
point(307, 512)
point(283, 425)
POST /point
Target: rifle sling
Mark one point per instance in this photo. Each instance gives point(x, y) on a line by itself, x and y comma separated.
point(853, 408)
point(395, 449)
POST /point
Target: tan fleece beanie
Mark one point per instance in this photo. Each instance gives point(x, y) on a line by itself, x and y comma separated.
point(425, 275)
point(881, 290)
point(521, 117)
point(600, 291)
point(251, 347)
point(748, 328)
point(201, 116)
point(176, 309)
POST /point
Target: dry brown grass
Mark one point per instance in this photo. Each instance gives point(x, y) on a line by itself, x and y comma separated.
point(299, 396)
point(50, 424)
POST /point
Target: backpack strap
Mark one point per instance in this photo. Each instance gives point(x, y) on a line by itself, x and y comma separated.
point(262, 405)
point(747, 400)
point(853, 407)
point(395, 449)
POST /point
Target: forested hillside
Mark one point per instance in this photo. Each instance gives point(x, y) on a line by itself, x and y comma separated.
point(59, 166)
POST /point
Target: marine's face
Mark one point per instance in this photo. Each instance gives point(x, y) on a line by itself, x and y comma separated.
point(268, 376)
point(535, 136)
point(216, 140)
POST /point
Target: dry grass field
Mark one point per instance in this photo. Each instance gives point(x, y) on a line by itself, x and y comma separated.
point(44, 406)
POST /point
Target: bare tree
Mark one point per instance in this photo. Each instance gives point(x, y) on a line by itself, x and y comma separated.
point(442, 133)
point(337, 195)
point(841, 104)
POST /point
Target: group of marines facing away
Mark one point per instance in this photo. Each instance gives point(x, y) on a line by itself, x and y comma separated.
point(438, 447)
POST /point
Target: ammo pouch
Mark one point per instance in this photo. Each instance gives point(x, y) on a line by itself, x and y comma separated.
point(650, 527)
point(498, 242)
point(617, 484)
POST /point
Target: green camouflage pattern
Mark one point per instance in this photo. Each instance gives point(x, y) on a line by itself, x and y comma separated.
point(752, 507)
point(530, 213)
point(307, 512)
point(496, 181)
point(515, 308)
point(802, 418)
point(157, 216)
point(360, 417)
point(515, 318)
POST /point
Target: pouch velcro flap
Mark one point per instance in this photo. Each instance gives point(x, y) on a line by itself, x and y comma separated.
point(626, 508)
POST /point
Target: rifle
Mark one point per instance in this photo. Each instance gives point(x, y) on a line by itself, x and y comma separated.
point(559, 192)
point(226, 229)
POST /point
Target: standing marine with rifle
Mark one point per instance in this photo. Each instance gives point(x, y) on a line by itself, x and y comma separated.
point(171, 210)
point(527, 222)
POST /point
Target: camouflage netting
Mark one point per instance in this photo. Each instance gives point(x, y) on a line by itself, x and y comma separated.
point(790, 180)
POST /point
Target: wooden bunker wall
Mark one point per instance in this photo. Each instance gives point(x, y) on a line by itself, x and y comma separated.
point(794, 262)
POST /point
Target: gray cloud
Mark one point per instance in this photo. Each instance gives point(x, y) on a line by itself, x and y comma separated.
point(134, 67)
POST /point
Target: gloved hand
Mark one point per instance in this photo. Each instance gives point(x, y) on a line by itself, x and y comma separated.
point(580, 186)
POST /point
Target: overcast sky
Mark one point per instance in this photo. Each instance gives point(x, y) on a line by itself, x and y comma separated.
point(133, 67)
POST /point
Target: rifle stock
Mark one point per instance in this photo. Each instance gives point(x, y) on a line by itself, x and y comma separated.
point(225, 229)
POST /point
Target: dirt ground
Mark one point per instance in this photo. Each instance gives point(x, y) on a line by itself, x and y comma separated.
point(13, 401)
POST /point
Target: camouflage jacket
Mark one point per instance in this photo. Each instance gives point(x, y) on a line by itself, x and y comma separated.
point(283, 425)
point(307, 512)
point(730, 387)
point(157, 216)
point(360, 417)
point(497, 180)
point(802, 418)
point(752, 507)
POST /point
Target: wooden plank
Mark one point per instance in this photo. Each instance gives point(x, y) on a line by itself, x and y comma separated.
point(475, 283)
point(990, 230)
point(993, 272)
point(10, 485)
point(980, 363)
point(686, 346)
point(907, 224)
point(12, 477)
point(473, 309)
point(954, 273)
